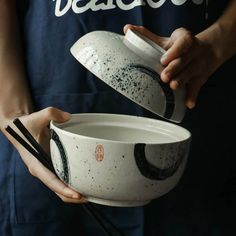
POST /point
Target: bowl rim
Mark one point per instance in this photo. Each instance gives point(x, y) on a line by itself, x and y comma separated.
point(186, 133)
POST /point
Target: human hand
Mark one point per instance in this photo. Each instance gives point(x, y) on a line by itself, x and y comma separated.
point(188, 60)
point(37, 124)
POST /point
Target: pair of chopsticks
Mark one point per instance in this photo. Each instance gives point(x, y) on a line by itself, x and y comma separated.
point(37, 151)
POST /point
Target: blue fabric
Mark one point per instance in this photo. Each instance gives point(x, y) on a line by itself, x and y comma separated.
point(55, 78)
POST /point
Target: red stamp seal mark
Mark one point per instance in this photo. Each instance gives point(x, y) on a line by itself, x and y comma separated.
point(99, 152)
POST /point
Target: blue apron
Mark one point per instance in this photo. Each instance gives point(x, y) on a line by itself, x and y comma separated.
point(49, 28)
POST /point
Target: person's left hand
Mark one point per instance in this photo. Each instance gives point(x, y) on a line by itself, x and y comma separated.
point(37, 123)
point(187, 60)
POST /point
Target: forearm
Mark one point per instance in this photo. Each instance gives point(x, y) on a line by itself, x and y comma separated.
point(222, 34)
point(14, 95)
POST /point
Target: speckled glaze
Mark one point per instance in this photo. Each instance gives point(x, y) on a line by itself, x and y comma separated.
point(131, 65)
point(119, 160)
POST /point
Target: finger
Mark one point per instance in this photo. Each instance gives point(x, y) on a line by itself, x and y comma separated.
point(50, 179)
point(161, 41)
point(192, 94)
point(52, 113)
point(183, 77)
point(71, 200)
point(182, 40)
point(38, 121)
point(174, 68)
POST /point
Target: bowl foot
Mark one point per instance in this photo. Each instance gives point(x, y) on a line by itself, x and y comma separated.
point(116, 203)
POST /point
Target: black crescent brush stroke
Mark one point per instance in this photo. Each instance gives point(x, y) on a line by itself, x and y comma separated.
point(150, 171)
point(65, 176)
point(170, 98)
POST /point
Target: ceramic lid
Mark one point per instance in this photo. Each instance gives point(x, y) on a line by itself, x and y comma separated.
point(131, 65)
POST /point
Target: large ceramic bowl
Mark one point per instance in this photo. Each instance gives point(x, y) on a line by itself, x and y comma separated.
point(119, 160)
point(131, 65)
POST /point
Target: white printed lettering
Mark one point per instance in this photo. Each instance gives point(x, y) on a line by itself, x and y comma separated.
point(130, 6)
point(178, 2)
point(80, 6)
point(80, 9)
point(58, 11)
point(156, 4)
point(103, 6)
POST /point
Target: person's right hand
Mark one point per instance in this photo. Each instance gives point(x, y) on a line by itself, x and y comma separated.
point(189, 60)
point(37, 124)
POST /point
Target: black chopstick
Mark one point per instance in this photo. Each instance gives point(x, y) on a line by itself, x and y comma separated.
point(31, 139)
point(108, 227)
point(29, 148)
point(38, 152)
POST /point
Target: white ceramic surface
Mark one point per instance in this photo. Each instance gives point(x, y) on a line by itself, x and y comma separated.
point(131, 65)
point(119, 160)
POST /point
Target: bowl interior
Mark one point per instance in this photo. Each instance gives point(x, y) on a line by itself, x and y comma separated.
point(123, 128)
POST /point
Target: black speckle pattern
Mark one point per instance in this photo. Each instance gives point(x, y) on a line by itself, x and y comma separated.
point(136, 90)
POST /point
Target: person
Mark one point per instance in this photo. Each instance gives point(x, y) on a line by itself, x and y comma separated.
point(41, 81)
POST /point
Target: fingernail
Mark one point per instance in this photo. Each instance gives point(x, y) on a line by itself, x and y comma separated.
point(174, 84)
point(165, 76)
point(70, 192)
point(163, 58)
point(76, 196)
point(190, 104)
point(126, 28)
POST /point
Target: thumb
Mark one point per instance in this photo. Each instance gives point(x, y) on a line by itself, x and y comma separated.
point(161, 41)
point(51, 114)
